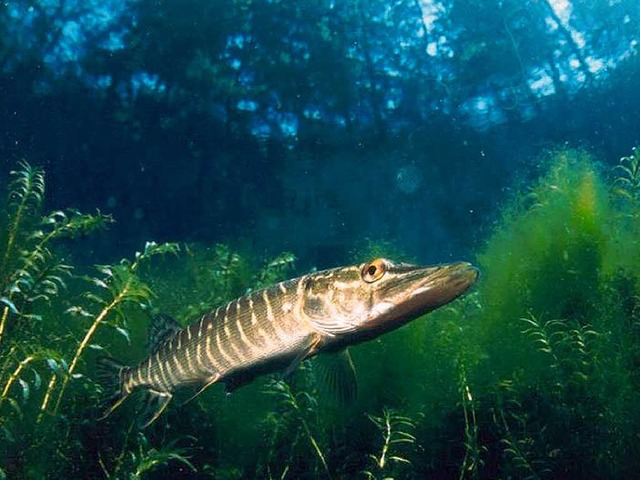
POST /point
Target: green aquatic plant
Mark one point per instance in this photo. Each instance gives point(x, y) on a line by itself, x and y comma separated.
point(531, 375)
point(474, 450)
point(32, 277)
point(569, 345)
point(275, 270)
point(298, 410)
point(33, 280)
point(138, 458)
point(546, 256)
point(26, 191)
point(397, 440)
point(117, 286)
point(558, 293)
point(30, 272)
point(626, 183)
point(519, 446)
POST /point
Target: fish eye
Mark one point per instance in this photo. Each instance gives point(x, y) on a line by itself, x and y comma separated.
point(374, 270)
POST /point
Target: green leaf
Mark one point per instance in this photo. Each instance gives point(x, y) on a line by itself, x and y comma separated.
point(124, 333)
point(37, 382)
point(25, 389)
point(15, 406)
point(53, 365)
point(9, 303)
point(77, 310)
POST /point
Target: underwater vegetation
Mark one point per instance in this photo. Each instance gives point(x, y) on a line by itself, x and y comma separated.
point(535, 374)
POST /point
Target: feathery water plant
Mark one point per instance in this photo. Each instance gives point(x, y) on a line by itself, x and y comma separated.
point(567, 343)
point(149, 458)
point(32, 280)
point(205, 277)
point(396, 431)
point(550, 258)
point(519, 450)
point(474, 450)
point(274, 270)
point(626, 183)
point(138, 458)
point(298, 407)
point(26, 192)
point(118, 286)
point(31, 275)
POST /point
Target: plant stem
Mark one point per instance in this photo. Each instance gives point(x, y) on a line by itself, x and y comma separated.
point(7, 360)
point(12, 234)
point(79, 351)
point(14, 376)
point(47, 396)
point(315, 446)
point(387, 438)
point(87, 338)
point(3, 321)
point(294, 403)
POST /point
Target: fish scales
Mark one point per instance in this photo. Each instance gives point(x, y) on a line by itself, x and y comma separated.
point(224, 342)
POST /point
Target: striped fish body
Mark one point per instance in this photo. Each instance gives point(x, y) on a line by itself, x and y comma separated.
point(276, 328)
point(252, 335)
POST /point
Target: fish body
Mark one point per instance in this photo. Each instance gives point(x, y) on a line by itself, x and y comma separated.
point(276, 328)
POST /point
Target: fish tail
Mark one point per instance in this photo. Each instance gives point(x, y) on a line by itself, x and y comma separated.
point(111, 376)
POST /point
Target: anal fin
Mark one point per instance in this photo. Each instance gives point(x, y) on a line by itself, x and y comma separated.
point(156, 403)
point(210, 381)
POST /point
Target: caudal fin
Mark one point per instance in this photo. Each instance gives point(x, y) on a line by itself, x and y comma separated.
point(111, 376)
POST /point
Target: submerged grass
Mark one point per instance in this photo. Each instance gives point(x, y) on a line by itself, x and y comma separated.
point(532, 375)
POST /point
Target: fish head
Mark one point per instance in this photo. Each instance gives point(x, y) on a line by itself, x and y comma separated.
point(353, 304)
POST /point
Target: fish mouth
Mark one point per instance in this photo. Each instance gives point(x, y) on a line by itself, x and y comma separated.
point(428, 288)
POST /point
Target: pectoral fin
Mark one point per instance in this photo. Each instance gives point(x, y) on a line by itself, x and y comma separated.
point(337, 376)
point(308, 351)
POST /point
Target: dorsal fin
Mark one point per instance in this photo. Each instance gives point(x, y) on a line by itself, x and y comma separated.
point(161, 329)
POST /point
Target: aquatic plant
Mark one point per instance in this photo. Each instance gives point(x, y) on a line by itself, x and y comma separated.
point(396, 431)
point(520, 437)
point(563, 260)
point(474, 450)
point(297, 409)
point(626, 183)
point(207, 276)
point(32, 277)
point(32, 281)
point(547, 253)
point(118, 285)
point(138, 458)
point(30, 272)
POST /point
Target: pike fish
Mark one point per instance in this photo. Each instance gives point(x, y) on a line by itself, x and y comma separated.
point(276, 328)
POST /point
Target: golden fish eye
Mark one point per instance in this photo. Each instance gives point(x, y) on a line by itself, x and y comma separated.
point(374, 270)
